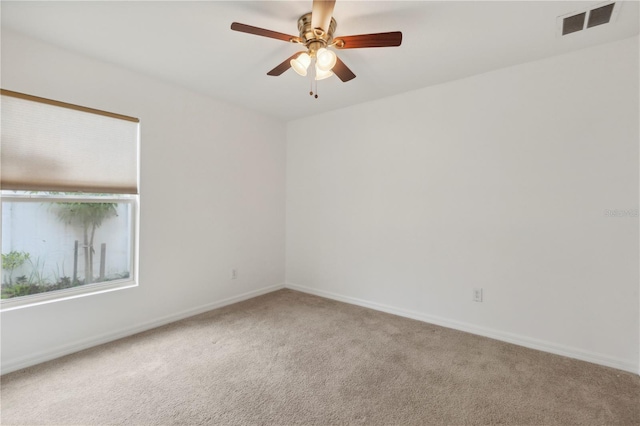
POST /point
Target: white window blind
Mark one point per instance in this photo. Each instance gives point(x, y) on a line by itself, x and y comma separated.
point(54, 146)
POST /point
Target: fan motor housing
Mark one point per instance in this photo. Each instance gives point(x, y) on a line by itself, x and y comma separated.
point(314, 39)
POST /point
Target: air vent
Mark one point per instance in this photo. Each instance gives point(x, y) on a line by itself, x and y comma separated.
point(582, 19)
point(573, 23)
point(601, 15)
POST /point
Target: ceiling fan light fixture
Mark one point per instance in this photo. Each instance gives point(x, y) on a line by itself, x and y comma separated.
point(321, 75)
point(325, 59)
point(316, 29)
point(301, 63)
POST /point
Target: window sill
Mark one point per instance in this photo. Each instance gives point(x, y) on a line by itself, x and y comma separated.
point(66, 294)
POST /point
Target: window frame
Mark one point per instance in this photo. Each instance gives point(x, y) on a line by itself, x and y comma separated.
point(87, 289)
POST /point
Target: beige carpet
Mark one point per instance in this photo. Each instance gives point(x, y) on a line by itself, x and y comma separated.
point(289, 358)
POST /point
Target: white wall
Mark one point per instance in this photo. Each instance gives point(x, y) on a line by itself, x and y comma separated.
point(212, 199)
point(499, 181)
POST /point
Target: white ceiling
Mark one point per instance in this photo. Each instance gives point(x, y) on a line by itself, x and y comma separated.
point(191, 44)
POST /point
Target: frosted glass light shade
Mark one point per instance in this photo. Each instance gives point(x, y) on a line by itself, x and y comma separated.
point(301, 63)
point(321, 75)
point(325, 59)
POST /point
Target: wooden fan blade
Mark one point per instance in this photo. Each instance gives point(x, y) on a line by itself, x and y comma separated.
point(285, 65)
point(342, 71)
point(321, 14)
point(244, 28)
point(369, 40)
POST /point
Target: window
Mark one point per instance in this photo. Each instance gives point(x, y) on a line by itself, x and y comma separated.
point(69, 181)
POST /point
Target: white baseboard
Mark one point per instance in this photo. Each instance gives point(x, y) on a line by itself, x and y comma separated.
point(33, 359)
point(516, 339)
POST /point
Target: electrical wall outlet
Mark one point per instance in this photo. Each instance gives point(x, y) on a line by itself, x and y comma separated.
point(234, 274)
point(477, 295)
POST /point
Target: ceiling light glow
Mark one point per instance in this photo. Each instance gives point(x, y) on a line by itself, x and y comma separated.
point(325, 59)
point(301, 63)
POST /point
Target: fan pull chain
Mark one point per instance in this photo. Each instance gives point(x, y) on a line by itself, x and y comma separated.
point(311, 79)
point(314, 80)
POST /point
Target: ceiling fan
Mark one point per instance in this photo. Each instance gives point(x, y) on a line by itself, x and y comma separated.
point(316, 30)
